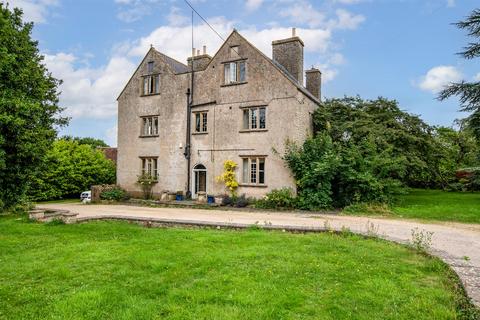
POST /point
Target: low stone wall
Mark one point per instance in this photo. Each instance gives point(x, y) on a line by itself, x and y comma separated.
point(47, 215)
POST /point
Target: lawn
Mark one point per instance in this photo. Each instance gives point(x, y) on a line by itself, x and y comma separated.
point(428, 205)
point(113, 270)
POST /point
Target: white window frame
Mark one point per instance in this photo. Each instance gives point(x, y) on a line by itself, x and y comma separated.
point(149, 126)
point(151, 84)
point(235, 72)
point(252, 118)
point(253, 173)
point(149, 166)
point(201, 122)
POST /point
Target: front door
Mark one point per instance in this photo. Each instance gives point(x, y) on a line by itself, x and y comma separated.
point(200, 179)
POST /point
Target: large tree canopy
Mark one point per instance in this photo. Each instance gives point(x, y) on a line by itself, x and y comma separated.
point(366, 150)
point(468, 92)
point(68, 169)
point(29, 111)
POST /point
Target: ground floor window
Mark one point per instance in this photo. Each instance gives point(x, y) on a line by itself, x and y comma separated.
point(253, 169)
point(149, 166)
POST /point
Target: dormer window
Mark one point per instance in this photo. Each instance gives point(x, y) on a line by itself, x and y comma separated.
point(151, 84)
point(150, 67)
point(235, 72)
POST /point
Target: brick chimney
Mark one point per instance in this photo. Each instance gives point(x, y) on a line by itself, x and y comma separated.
point(289, 54)
point(200, 61)
point(314, 82)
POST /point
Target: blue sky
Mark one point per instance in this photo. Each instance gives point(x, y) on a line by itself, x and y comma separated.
point(399, 49)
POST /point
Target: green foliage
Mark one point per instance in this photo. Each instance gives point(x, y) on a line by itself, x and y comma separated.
point(29, 111)
point(277, 199)
point(241, 202)
point(436, 205)
point(114, 193)
point(93, 142)
point(367, 150)
point(69, 169)
point(468, 92)
point(146, 182)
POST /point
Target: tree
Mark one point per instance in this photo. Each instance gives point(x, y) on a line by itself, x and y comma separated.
point(93, 142)
point(68, 169)
point(29, 110)
point(368, 150)
point(468, 92)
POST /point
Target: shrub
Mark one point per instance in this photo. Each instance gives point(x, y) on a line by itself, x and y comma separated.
point(468, 179)
point(147, 182)
point(278, 199)
point(228, 176)
point(241, 202)
point(114, 193)
point(227, 200)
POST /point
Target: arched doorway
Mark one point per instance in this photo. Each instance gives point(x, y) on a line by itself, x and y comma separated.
point(199, 179)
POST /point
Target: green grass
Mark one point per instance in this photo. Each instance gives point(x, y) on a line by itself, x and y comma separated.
point(427, 205)
point(113, 270)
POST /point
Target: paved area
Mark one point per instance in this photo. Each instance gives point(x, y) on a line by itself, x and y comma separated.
point(457, 244)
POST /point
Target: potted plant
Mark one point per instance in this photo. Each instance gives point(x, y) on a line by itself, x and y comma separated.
point(147, 182)
point(219, 199)
point(172, 196)
point(179, 196)
point(164, 195)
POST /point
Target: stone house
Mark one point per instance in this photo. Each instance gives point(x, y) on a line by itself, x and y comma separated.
point(180, 126)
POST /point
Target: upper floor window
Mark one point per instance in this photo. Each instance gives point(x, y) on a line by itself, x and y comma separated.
point(201, 122)
point(150, 67)
point(254, 118)
point(149, 126)
point(253, 170)
point(235, 72)
point(151, 84)
point(149, 167)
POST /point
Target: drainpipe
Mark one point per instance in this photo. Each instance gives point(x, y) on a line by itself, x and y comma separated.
point(187, 151)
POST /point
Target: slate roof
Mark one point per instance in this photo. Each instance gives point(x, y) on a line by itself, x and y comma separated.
point(177, 66)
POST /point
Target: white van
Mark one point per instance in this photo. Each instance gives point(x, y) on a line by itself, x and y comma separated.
point(86, 196)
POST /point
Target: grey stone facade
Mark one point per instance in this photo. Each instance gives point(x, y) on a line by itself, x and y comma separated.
point(261, 88)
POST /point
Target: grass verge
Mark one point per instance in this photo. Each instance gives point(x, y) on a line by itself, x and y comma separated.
point(429, 205)
point(113, 270)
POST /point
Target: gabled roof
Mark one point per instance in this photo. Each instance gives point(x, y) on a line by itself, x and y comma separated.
point(177, 66)
point(282, 70)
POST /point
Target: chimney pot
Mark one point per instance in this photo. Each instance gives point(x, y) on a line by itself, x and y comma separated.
point(193, 52)
point(294, 32)
point(204, 49)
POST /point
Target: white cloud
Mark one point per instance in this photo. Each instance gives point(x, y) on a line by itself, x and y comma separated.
point(477, 77)
point(133, 10)
point(438, 77)
point(111, 136)
point(34, 10)
point(174, 18)
point(303, 13)
point(253, 5)
point(171, 40)
point(86, 92)
point(450, 3)
point(347, 20)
